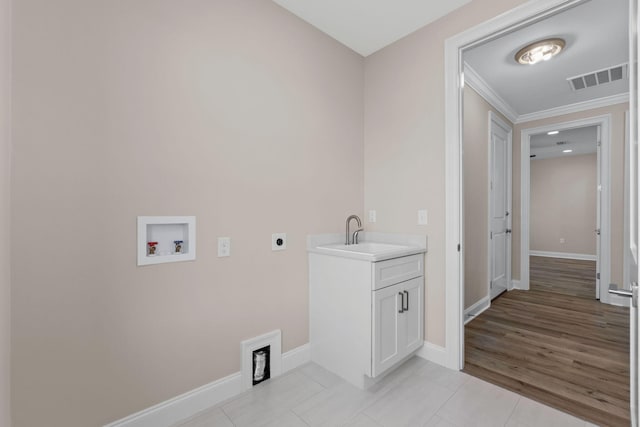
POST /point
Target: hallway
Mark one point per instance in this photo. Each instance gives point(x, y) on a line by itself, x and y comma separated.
point(556, 344)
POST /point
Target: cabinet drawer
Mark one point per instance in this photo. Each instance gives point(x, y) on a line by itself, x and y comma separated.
point(392, 271)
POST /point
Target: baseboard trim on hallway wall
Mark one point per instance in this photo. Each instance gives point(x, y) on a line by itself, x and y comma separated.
point(434, 353)
point(567, 255)
point(477, 308)
point(179, 408)
point(515, 284)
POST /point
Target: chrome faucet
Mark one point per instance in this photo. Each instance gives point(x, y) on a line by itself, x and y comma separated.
point(349, 241)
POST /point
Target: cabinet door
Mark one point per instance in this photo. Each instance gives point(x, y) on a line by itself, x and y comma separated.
point(413, 315)
point(387, 304)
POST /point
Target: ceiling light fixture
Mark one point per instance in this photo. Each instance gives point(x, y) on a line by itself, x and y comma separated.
point(542, 50)
point(553, 132)
point(567, 151)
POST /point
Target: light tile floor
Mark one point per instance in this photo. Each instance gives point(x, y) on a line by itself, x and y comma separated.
point(418, 393)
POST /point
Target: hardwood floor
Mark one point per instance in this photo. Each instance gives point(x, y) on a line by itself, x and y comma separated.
point(556, 344)
point(563, 276)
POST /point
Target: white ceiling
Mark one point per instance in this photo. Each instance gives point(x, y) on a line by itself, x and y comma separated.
point(369, 25)
point(597, 38)
point(580, 140)
point(595, 32)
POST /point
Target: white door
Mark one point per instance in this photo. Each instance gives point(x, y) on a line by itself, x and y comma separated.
point(634, 198)
point(499, 205)
point(633, 195)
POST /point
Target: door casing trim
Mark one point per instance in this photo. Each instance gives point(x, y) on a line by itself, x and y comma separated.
point(604, 121)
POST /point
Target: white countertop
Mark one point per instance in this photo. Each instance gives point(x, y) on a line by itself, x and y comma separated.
point(375, 246)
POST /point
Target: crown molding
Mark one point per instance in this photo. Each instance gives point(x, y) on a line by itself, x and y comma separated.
point(473, 79)
point(574, 108)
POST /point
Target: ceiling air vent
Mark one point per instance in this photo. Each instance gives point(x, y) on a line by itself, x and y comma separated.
point(600, 77)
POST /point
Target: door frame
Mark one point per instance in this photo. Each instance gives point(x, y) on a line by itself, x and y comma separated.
point(604, 121)
point(493, 117)
point(627, 203)
point(527, 13)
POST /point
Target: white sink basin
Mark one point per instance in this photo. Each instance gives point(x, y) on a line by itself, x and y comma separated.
point(368, 251)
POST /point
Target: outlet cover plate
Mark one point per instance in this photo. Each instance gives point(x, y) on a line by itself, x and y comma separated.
point(423, 218)
point(278, 241)
point(224, 247)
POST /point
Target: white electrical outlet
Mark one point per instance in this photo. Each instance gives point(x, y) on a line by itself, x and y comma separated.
point(562, 240)
point(422, 217)
point(279, 241)
point(372, 216)
point(224, 246)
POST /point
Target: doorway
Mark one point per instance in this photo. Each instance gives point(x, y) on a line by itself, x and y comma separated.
point(519, 18)
point(595, 132)
point(487, 195)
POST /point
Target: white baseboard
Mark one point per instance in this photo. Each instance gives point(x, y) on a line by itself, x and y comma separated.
point(179, 408)
point(567, 255)
point(515, 284)
point(172, 411)
point(477, 308)
point(296, 357)
point(434, 353)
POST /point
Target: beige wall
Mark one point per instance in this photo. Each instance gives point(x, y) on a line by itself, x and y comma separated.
point(5, 168)
point(617, 175)
point(404, 153)
point(234, 111)
point(563, 204)
point(476, 195)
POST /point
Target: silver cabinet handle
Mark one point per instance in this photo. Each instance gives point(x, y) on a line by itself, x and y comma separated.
point(401, 303)
point(407, 308)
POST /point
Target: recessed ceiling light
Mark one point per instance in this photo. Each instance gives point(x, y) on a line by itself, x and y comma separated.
point(567, 151)
point(553, 132)
point(542, 50)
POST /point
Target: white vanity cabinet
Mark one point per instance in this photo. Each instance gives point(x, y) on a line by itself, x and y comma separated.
point(365, 317)
point(398, 322)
